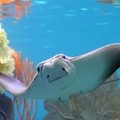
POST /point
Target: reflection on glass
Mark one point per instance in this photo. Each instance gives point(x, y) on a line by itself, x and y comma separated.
point(14, 8)
point(107, 1)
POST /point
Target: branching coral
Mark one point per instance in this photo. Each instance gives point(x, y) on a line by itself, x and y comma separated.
point(6, 59)
point(26, 109)
point(7, 67)
point(100, 104)
point(11, 61)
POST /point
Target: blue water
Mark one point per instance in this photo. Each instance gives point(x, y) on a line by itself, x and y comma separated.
point(72, 27)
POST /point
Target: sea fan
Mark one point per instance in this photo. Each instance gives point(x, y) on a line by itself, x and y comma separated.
point(100, 104)
point(26, 109)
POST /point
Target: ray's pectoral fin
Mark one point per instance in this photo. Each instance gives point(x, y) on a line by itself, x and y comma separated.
point(97, 66)
point(12, 85)
point(17, 88)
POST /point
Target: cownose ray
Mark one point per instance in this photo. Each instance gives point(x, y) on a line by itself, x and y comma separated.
point(61, 76)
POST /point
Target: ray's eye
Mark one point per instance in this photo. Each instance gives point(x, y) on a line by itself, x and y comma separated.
point(38, 69)
point(63, 69)
point(63, 57)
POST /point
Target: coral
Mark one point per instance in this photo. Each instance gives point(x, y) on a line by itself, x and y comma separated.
point(11, 61)
point(100, 104)
point(26, 109)
point(6, 60)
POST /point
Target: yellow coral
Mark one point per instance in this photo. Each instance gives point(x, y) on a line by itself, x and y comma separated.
point(7, 63)
point(3, 37)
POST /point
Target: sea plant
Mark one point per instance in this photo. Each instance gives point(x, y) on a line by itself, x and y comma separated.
point(100, 104)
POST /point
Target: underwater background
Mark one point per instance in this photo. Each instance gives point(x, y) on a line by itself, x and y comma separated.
point(71, 27)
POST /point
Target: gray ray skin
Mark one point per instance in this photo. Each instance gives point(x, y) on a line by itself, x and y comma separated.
point(61, 76)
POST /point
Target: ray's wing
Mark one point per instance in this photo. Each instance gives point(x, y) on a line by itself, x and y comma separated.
point(95, 67)
point(17, 88)
point(12, 85)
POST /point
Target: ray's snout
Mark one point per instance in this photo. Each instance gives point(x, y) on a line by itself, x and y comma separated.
point(53, 70)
